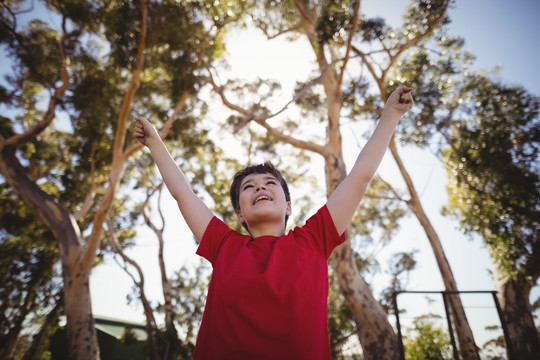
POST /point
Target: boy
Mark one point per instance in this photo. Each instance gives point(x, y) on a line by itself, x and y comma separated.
point(268, 294)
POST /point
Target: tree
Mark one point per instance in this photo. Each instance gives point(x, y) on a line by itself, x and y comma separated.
point(338, 36)
point(90, 68)
point(430, 342)
point(494, 188)
point(76, 259)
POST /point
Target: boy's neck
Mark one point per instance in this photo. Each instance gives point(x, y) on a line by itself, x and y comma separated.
point(266, 229)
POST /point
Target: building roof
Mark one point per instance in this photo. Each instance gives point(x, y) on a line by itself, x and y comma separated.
point(117, 327)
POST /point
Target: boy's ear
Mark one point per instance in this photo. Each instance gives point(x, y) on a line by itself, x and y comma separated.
point(288, 212)
point(239, 217)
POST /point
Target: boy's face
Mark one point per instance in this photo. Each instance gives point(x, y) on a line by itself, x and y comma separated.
point(262, 199)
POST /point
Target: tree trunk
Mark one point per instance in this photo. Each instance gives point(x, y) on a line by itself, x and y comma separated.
point(513, 295)
point(467, 345)
point(376, 334)
point(81, 333)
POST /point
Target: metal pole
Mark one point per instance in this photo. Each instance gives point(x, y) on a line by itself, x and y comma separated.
point(398, 325)
point(509, 349)
point(450, 330)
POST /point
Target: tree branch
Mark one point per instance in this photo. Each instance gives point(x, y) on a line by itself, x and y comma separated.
point(118, 160)
point(261, 120)
point(416, 39)
point(146, 215)
point(392, 190)
point(369, 66)
point(305, 145)
point(18, 140)
point(166, 127)
point(90, 196)
point(279, 33)
point(151, 324)
point(349, 44)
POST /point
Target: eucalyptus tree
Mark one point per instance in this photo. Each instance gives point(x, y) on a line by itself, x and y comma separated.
point(486, 134)
point(491, 155)
point(73, 85)
point(343, 41)
point(31, 285)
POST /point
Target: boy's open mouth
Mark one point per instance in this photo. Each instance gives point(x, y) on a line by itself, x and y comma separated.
point(261, 198)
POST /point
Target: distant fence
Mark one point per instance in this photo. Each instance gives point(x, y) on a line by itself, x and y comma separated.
point(444, 295)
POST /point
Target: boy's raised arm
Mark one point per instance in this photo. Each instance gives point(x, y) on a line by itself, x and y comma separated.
point(194, 211)
point(344, 201)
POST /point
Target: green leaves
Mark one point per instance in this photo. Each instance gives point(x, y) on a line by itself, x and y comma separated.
point(492, 162)
point(430, 342)
point(334, 21)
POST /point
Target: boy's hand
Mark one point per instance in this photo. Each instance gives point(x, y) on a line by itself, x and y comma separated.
point(399, 101)
point(144, 131)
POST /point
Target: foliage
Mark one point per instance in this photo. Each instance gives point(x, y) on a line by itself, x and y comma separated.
point(495, 348)
point(492, 163)
point(189, 295)
point(29, 273)
point(341, 327)
point(400, 265)
point(430, 342)
point(128, 336)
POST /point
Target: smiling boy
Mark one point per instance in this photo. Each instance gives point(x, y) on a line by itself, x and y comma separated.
point(268, 294)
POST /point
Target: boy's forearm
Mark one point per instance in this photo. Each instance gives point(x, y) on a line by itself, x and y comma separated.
point(194, 211)
point(345, 199)
point(173, 177)
point(372, 153)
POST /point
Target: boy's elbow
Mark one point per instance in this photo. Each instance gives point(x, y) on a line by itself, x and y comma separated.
point(361, 181)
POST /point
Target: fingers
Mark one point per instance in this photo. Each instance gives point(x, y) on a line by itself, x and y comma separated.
point(405, 95)
point(138, 130)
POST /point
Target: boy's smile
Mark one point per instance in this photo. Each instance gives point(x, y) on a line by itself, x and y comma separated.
point(262, 197)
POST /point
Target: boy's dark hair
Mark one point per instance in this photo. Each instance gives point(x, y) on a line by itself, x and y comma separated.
point(265, 168)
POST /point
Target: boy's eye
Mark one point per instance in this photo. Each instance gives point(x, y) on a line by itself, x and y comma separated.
point(271, 182)
point(247, 187)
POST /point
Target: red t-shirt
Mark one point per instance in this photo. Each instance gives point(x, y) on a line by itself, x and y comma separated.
point(268, 296)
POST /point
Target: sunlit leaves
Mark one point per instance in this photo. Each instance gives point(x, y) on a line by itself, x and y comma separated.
point(274, 16)
point(335, 20)
point(373, 29)
point(37, 41)
point(81, 12)
point(429, 341)
point(435, 72)
point(494, 182)
point(423, 14)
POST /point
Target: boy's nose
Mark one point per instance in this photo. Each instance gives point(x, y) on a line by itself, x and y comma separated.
point(260, 187)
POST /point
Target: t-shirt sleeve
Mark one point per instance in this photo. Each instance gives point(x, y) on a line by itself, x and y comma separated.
point(322, 233)
point(213, 237)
